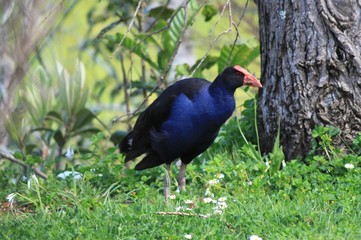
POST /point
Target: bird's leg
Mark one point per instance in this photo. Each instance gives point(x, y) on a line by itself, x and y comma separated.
point(181, 179)
point(167, 181)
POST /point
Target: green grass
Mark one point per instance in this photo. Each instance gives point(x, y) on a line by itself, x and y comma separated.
point(301, 201)
point(247, 214)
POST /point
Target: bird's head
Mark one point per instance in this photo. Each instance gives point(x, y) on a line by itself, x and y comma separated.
point(237, 76)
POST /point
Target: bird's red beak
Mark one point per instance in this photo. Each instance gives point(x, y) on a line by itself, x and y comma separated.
point(248, 79)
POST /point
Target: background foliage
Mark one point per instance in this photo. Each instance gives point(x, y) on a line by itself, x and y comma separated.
point(99, 66)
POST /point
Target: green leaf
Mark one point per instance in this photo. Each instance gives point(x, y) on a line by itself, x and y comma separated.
point(131, 45)
point(149, 85)
point(54, 116)
point(176, 28)
point(162, 59)
point(239, 54)
point(29, 148)
point(207, 63)
point(111, 150)
point(31, 160)
point(209, 11)
point(277, 155)
point(161, 12)
point(59, 138)
point(85, 131)
point(172, 36)
point(18, 155)
point(84, 117)
point(182, 69)
point(42, 129)
point(334, 131)
point(252, 153)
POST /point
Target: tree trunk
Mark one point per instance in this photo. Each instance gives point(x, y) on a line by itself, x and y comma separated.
point(311, 71)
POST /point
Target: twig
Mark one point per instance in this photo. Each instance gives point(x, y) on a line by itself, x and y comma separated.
point(52, 11)
point(9, 156)
point(156, 31)
point(156, 18)
point(125, 83)
point(129, 27)
point(108, 28)
point(237, 31)
point(243, 13)
point(183, 214)
point(54, 30)
point(166, 71)
point(228, 4)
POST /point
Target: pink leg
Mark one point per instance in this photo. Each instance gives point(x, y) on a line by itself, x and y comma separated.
point(167, 181)
point(181, 179)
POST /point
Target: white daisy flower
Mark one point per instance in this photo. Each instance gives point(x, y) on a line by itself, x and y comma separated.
point(220, 175)
point(217, 211)
point(207, 200)
point(179, 208)
point(349, 166)
point(222, 205)
point(13, 180)
point(254, 237)
point(69, 153)
point(188, 236)
point(188, 201)
point(11, 198)
point(213, 182)
point(283, 163)
point(73, 174)
point(32, 179)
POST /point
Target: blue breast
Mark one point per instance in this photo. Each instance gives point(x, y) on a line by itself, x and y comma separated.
point(191, 120)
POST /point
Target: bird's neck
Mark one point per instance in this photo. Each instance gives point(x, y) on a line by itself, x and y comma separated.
point(223, 102)
point(218, 87)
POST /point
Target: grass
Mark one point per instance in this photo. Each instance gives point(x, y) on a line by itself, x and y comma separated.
point(315, 199)
point(271, 207)
point(251, 211)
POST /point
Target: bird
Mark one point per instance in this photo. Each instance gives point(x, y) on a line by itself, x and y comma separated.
point(183, 121)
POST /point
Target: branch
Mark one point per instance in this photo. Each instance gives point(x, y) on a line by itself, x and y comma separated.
point(228, 4)
point(167, 69)
point(108, 28)
point(177, 45)
point(184, 214)
point(9, 156)
point(129, 27)
point(237, 30)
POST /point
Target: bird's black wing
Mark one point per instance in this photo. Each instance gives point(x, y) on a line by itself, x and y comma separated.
point(139, 140)
point(200, 147)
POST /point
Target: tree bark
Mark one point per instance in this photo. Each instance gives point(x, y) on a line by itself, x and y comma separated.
point(311, 71)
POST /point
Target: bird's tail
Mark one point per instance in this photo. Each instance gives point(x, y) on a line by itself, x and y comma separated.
point(130, 151)
point(151, 160)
